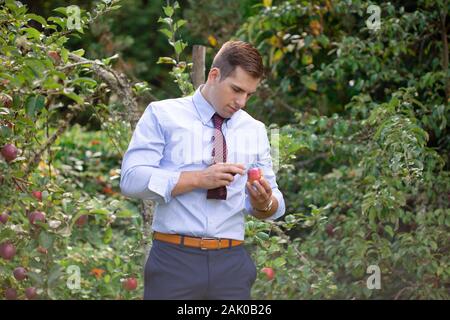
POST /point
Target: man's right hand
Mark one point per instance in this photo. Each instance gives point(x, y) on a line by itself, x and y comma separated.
point(219, 175)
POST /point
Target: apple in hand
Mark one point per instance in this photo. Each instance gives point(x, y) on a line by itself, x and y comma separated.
point(254, 174)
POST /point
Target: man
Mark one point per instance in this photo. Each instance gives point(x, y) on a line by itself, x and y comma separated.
point(190, 155)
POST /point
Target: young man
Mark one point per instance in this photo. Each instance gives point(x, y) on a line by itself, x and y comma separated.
point(190, 155)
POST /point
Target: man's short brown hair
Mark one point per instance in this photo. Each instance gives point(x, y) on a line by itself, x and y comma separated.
point(238, 53)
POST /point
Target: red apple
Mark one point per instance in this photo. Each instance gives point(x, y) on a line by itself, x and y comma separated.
point(7, 250)
point(42, 250)
point(37, 195)
point(20, 273)
point(254, 174)
point(9, 152)
point(107, 189)
point(30, 293)
point(10, 294)
point(129, 284)
point(6, 101)
point(329, 229)
point(270, 273)
point(4, 217)
point(36, 216)
point(82, 220)
point(55, 56)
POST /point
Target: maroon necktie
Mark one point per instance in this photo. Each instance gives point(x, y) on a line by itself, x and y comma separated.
point(219, 154)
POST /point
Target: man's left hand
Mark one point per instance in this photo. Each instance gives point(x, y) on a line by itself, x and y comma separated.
point(260, 197)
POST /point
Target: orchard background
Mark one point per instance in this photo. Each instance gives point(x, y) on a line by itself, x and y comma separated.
point(364, 142)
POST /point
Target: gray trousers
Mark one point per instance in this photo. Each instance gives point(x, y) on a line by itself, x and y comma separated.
point(177, 272)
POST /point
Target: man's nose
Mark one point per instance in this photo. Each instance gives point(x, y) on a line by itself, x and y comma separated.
point(240, 101)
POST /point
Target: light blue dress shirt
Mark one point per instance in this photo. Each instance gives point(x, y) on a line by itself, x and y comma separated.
point(174, 135)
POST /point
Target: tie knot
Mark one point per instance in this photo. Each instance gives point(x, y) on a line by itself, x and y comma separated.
point(217, 120)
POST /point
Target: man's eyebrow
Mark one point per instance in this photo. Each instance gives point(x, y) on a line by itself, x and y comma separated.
point(239, 88)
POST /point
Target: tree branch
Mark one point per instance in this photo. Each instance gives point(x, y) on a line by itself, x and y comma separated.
point(34, 161)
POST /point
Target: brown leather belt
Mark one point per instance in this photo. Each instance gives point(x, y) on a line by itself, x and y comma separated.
point(194, 242)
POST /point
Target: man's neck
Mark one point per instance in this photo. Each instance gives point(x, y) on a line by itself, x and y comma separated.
point(204, 90)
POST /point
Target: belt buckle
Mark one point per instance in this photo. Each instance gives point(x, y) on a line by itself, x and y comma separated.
point(206, 238)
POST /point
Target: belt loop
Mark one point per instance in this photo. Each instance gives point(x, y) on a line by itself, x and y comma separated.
point(182, 240)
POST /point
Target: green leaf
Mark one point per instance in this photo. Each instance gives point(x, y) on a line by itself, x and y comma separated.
point(34, 104)
point(262, 235)
point(124, 214)
point(167, 32)
point(35, 17)
point(108, 60)
point(166, 60)
point(74, 97)
point(79, 52)
point(46, 240)
point(85, 81)
point(279, 262)
point(167, 21)
point(54, 275)
point(59, 21)
point(64, 55)
point(179, 46)
point(168, 11)
point(389, 231)
point(107, 236)
point(179, 24)
point(36, 278)
point(99, 211)
point(62, 10)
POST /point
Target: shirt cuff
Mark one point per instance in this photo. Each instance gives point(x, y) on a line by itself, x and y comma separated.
point(162, 183)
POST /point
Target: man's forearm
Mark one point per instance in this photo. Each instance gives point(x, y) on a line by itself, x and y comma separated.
point(188, 181)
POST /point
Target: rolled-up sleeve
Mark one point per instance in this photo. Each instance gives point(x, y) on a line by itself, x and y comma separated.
point(265, 163)
point(141, 174)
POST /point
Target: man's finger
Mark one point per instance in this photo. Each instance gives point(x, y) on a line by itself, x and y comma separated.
point(234, 168)
point(227, 177)
point(259, 187)
point(251, 190)
point(265, 185)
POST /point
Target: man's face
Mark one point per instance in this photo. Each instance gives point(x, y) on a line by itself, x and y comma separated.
point(233, 92)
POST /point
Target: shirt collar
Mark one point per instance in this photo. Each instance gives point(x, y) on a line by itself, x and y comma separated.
point(205, 110)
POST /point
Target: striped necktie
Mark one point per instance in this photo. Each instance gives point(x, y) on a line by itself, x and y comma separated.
point(219, 154)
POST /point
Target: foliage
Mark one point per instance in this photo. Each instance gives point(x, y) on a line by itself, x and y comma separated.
point(42, 89)
point(364, 149)
point(363, 119)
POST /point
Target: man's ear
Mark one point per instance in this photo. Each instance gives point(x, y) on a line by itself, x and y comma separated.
point(214, 74)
